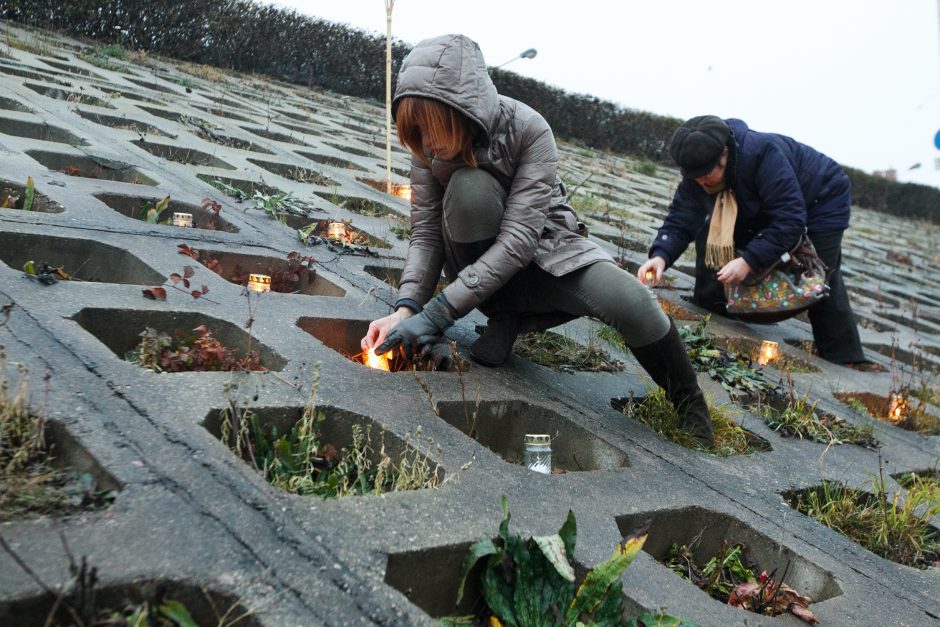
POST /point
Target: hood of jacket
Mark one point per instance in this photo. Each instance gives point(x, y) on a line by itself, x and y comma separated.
point(451, 69)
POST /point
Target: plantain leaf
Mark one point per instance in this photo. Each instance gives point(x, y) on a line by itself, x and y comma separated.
point(553, 548)
point(480, 549)
point(602, 577)
point(569, 533)
point(162, 205)
point(30, 268)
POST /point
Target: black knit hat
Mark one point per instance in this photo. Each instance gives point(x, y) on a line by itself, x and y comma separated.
point(697, 145)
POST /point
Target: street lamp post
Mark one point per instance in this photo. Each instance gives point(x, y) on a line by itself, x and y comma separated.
point(525, 54)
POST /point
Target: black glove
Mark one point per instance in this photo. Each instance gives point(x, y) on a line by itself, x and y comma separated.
point(418, 330)
point(436, 356)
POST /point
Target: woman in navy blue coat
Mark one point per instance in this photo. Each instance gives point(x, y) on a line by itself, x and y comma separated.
point(781, 187)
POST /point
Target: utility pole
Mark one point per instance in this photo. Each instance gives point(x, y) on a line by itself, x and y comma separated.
point(389, 5)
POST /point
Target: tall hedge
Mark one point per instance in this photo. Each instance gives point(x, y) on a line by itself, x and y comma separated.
point(246, 36)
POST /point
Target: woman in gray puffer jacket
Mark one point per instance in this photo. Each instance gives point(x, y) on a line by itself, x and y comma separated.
point(488, 208)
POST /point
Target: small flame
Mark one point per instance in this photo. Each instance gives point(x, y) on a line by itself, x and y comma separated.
point(379, 362)
point(403, 192)
point(897, 407)
point(768, 352)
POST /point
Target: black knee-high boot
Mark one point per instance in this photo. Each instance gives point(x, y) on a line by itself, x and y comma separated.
point(667, 362)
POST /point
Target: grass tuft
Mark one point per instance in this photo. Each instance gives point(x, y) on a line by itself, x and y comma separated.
point(655, 411)
point(558, 352)
point(895, 529)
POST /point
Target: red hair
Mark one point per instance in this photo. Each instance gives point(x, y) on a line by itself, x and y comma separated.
point(445, 127)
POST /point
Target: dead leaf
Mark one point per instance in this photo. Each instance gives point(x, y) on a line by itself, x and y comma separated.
point(188, 271)
point(155, 293)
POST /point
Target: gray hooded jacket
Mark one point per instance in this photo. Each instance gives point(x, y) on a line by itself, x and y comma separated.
point(517, 148)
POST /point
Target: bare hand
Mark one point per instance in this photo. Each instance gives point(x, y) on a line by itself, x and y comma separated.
point(734, 272)
point(656, 265)
point(379, 329)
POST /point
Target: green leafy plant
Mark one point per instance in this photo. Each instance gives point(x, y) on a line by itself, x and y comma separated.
point(731, 370)
point(655, 411)
point(896, 529)
point(300, 462)
point(730, 577)
point(151, 213)
point(793, 415)
point(532, 582)
point(46, 274)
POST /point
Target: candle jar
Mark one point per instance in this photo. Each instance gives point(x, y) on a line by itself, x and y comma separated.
point(259, 283)
point(650, 277)
point(769, 351)
point(538, 453)
point(336, 230)
point(184, 220)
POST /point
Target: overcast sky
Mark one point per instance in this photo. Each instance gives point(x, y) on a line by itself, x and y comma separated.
point(857, 79)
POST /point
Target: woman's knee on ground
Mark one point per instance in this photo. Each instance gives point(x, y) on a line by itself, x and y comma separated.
point(474, 203)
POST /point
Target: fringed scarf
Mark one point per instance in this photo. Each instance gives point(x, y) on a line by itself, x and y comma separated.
point(719, 250)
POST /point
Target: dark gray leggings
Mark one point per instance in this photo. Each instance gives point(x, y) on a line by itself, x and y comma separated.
point(473, 210)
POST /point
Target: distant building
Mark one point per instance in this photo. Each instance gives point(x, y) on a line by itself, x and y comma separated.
point(891, 175)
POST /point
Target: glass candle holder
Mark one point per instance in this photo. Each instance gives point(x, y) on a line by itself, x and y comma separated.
point(897, 406)
point(650, 276)
point(538, 453)
point(769, 352)
point(259, 283)
point(336, 230)
point(184, 220)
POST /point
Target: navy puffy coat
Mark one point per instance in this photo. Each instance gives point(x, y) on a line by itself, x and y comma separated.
point(781, 187)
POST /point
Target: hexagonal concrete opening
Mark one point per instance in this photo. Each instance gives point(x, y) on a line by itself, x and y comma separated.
point(223, 113)
point(336, 429)
point(120, 329)
point(136, 207)
point(273, 135)
point(359, 152)
point(429, 578)
point(205, 606)
point(910, 415)
point(852, 502)
point(188, 156)
point(730, 437)
point(39, 130)
point(19, 71)
point(335, 162)
point(12, 196)
point(303, 129)
point(85, 260)
point(362, 206)
point(62, 480)
point(826, 428)
point(75, 97)
point(501, 426)
point(751, 349)
point(111, 88)
point(91, 167)
point(152, 84)
point(247, 188)
point(295, 172)
point(913, 358)
point(343, 337)
point(703, 531)
point(123, 123)
point(810, 347)
point(235, 268)
point(71, 69)
point(166, 114)
point(353, 235)
point(12, 104)
point(231, 142)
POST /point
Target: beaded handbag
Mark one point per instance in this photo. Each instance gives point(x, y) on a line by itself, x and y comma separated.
point(790, 285)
